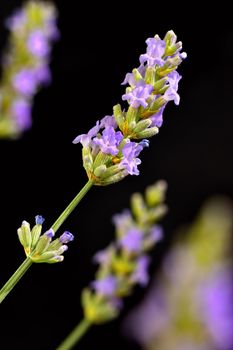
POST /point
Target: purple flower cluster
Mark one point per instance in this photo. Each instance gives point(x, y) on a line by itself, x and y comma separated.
point(111, 148)
point(125, 262)
point(160, 64)
point(27, 61)
point(104, 139)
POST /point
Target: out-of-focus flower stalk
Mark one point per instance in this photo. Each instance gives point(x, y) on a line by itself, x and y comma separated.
point(25, 69)
point(189, 306)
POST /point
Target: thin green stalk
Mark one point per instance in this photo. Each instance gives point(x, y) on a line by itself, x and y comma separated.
point(74, 337)
point(64, 215)
point(14, 279)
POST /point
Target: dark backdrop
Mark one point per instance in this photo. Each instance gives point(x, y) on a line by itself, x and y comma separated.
point(41, 172)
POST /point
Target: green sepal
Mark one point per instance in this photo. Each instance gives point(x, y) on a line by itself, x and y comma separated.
point(42, 244)
point(100, 170)
point(141, 126)
point(150, 76)
point(35, 234)
point(155, 194)
point(26, 236)
point(146, 134)
point(119, 116)
point(138, 206)
point(131, 117)
point(97, 310)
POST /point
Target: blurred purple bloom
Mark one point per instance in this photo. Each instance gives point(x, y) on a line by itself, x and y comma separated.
point(123, 221)
point(157, 118)
point(43, 74)
point(106, 286)
point(102, 257)
point(130, 161)
point(217, 297)
point(155, 50)
point(171, 93)
point(16, 21)
point(21, 112)
point(140, 275)
point(138, 96)
point(109, 141)
point(25, 82)
point(37, 44)
point(52, 32)
point(132, 240)
point(156, 233)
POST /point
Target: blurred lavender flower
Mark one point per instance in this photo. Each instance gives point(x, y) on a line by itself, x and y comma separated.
point(189, 306)
point(38, 44)
point(32, 30)
point(111, 148)
point(21, 111)
point(124, 263)
point(25, 82)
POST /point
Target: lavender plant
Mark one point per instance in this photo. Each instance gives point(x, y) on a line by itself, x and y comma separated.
point(111, 148)
point(124, 263)
point(189, 305)
point(26, 64)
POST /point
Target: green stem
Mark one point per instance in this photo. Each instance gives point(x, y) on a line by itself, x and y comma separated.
point(71, 206)
point(75, 335)
point(14, 279)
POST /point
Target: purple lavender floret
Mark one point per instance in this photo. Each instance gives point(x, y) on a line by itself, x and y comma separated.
point(37, 44)
point(106, 286)
point(43, 74)
point(130, 79)
point(155, 50)
point(130, 161)
point(25, 82)
point(109, 141)
point(50, 233)
point(157, 118)
point(108, 120)
point(138, 96)
point(132, 240)
point(156, 233)
point(16, 21)
point(86, 139)
point(39, 220)
point(171, 93)
point(66, 237)
point(217, 296)
point(140, 275)
point(21, 112)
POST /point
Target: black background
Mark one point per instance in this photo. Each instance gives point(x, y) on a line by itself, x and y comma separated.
point(41, 172)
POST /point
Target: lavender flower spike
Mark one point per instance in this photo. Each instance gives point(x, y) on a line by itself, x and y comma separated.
point(26, 64)
point(124, 263)
point(111, 148)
